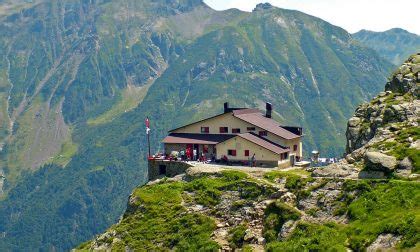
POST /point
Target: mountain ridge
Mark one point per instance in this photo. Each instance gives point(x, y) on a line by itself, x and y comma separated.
point(395, 44)
point(86, 58)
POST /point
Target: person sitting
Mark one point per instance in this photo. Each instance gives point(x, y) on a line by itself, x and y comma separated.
point(225, 159)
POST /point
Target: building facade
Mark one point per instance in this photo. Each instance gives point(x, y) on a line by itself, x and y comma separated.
point(237, 135)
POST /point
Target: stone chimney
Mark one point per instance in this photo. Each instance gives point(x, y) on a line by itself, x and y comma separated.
point(226, 107)
point(268, 110)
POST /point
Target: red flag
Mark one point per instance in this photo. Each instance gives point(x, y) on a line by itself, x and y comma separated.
point(147, 122)
point(147, 125)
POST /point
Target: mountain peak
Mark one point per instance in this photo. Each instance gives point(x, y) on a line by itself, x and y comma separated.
point(263, 6)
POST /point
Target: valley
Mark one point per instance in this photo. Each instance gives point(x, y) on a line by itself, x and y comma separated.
point(78, 78)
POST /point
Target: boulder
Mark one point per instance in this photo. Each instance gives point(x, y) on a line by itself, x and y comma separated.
point(384, 241)
point(287, 229)
point(405, 164)
point(354, 121)
point(336, 170)
point(289, 198)
point(415, 145)
point(380, 162)
point(249, 235)
point(261, 241)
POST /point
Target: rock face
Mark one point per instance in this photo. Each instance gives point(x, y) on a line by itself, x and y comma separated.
point(382, 135)
point(384, 241)
point(380, 162)
point(399, 103)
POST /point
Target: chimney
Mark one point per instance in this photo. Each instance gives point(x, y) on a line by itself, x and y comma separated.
point(268, 109)
point(226, 107)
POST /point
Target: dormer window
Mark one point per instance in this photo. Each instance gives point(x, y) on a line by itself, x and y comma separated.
point(250, 128)
point(236, 131)
point(205, 129)
point(224, 130)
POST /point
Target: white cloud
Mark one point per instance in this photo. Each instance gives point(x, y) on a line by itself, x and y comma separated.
point(354, 15)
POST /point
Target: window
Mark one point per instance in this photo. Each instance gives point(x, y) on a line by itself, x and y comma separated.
point(250, 128)
point(231, 152)
point(237, 130)
point(295, 147)
point(224, 130)
point(283, 156)
point(262, 133)
point(205, 130)
point(246, 153)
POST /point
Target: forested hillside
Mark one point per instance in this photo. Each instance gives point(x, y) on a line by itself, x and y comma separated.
point(77, 79)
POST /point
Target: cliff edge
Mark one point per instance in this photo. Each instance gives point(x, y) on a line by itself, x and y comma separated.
point(383, 135)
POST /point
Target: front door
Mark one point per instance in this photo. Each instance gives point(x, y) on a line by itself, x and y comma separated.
point(196, 151)
point(292, 160)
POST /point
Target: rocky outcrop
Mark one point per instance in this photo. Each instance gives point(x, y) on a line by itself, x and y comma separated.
point(383, 132)
point(399, 103)
point(383, 242)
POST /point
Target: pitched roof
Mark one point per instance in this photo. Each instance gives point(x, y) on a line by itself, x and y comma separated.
point(202, 120)
point(255, 117)
point(191, 138)
point(266, 144)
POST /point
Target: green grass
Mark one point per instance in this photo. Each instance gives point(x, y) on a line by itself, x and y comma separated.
point(275, 215)
point(161, 223)
point(131, 97)
point(68, 150)
point(208, 191)
point(158, 221)
point(236, 236)
point(390, 207)
point(374, 207)
point(400, 147)
point(294, 180)
point(312, 237)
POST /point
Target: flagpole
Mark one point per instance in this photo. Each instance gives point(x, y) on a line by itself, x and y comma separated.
point(148, 135)
point(148, 143)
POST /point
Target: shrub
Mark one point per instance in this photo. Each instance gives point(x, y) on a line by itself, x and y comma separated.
point(236, 236)
point(275, 215)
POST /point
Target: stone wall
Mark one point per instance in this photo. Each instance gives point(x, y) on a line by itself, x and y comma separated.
point(165, 168)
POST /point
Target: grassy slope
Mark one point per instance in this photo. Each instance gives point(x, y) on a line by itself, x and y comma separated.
point(158, 219)
point(130, 98)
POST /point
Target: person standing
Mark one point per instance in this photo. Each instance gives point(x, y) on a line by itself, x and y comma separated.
point(195, 154)
point(182, 153)
point(254, 161)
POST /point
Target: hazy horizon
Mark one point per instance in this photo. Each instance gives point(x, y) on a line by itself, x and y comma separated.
point(353, 16)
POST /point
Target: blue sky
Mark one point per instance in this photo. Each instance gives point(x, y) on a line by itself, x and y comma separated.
point(352, 15)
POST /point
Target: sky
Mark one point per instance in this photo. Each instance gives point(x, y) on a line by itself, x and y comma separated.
point(352, 15)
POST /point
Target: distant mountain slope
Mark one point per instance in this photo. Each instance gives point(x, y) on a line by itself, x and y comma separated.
point(311, 71)
point(77, 79)
point(394, 45)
